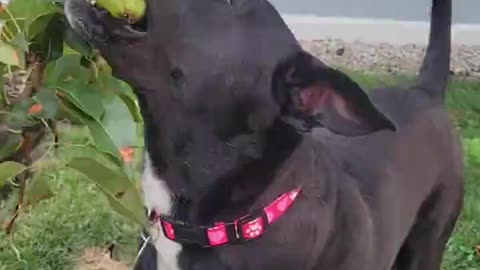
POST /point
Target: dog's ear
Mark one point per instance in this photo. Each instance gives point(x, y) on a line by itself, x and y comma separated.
point(317, 95)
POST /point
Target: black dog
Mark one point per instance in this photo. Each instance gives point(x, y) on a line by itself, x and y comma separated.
point(259, 156)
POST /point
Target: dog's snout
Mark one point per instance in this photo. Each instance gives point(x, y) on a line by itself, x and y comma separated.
point(97, 25)
point(85, 20)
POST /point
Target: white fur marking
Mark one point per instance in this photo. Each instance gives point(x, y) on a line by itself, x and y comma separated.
point(70, 17)
point(158, 197)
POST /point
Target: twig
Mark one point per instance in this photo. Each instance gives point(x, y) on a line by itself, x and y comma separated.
point(15, 249)
point(18, 208)
point(9, 130)
point(23, 179)
point(7, 10)
point(6, 33)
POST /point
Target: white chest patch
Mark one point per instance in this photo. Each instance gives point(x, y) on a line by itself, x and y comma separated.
point(157, 196)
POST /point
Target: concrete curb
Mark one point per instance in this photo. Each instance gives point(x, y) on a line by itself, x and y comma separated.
point(374, 30)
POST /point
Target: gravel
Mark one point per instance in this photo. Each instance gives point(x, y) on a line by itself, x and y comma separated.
point(384, 57)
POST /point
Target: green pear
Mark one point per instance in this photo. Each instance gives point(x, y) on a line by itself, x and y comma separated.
point(131, 10)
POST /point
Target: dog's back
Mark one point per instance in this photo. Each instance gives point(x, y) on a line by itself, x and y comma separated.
point(412, 179)
point(425, 141)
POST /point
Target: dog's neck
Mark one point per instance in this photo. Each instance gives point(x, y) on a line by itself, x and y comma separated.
point(244, 188)
point(249, 186)
point(285, 163)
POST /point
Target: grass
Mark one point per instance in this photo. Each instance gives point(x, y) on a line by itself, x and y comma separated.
point(57, 231)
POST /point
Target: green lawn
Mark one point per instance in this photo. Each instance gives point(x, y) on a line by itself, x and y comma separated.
point(54, 233)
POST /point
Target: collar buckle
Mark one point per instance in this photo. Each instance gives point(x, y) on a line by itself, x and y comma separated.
point(251, 226)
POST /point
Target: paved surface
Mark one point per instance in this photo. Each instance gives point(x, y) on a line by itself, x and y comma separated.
point(464, 11)
point(374, 30)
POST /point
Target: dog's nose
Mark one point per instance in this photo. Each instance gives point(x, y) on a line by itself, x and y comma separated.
point(83, 19)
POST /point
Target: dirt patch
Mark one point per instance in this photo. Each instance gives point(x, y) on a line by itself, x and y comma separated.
point(98, 259)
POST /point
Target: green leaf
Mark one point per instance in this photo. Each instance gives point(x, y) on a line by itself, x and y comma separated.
point(2, 93)
point(8, 170)
point(48, 44)
point(20, 42)
point(38, 190)
point(39, 25)
point(118, 122)
point(49, 101)
point(121, 192)
point(10, 144)
point(26, 12)
point(66, 68)
point(107, 81)
point(141, 134)
point(103, 140)
point(76, 42)
point(131, 101)
point(129, 205)
point(18, 117)
point(84, 97)
point(8, 55)
point(114, 182)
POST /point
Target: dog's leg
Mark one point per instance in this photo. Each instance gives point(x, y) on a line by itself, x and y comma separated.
point(148, 258)
point(147, 253)
point(423, 249)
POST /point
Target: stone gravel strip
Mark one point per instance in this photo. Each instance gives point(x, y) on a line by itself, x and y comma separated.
point(384, 57)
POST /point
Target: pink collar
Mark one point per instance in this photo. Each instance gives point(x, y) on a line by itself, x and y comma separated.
point(246, 228)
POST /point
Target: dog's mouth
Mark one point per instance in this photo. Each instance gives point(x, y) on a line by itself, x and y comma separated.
point(96, 24)
point(140, 26)
point(121, 27)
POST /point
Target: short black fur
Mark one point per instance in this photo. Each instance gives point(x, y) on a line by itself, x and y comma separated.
point(228, 129)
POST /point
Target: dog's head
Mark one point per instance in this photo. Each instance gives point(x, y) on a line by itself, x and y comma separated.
point(189, 42)
point(215, 77)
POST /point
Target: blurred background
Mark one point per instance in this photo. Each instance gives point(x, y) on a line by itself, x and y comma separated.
point(466, 11)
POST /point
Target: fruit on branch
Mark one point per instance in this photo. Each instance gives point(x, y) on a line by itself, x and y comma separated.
point(131, 10)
